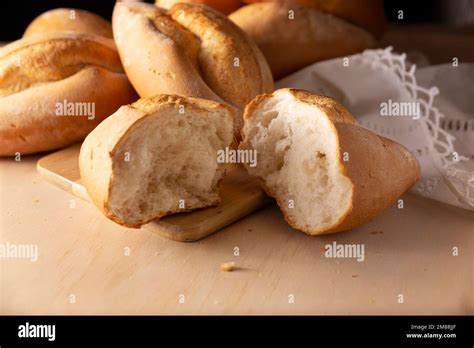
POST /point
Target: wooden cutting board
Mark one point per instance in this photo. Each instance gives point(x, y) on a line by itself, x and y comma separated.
point(241, 195)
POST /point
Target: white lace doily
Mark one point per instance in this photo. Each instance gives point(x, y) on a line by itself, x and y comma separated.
point(443, 146)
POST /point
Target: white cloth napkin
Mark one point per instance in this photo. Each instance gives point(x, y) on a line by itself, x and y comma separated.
point(441, 136)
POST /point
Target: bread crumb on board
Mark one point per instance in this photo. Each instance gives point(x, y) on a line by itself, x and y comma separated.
point(228, 266)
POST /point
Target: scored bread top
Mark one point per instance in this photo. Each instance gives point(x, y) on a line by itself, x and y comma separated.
point(230, 62)
point(161, 22)
point(191, 50)
point(40, 73)
point(153, 61)
point(52, 57)
point(292, 36)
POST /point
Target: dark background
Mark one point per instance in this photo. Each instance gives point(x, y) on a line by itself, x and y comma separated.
point(16, 15)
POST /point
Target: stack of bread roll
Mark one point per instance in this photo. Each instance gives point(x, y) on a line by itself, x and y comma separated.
point(205, 82)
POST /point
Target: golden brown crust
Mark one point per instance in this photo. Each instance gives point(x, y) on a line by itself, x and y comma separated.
point(335, 111)
point(52, 57)
point(156, 102)
point(227, 59)
point(154, 62)
point(374, 187)
point(293, 36)
point(332, 108)
point(69, 19)
point(98, 155)
point(190, 50)
point(95, 160)
point(224, 6)
point(367, 14)
point(41, 72)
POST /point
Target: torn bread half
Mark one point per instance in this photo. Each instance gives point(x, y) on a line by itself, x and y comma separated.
point(327, 173)
point(156, 157)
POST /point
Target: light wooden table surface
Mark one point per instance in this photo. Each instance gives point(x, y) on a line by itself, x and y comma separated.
point(82, 258)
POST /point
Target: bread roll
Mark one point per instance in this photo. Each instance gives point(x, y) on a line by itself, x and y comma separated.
point(69, 19)
point(293, 36)
point(156, 157)
point(367, 14)
point(55, 88)
point(224, 6)
point(190, 50)
point(327, 173)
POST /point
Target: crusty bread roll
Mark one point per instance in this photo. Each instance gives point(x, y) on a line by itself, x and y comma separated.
point(293, 36)
point(156, 157)
point(327, 173)
point(190, 50)
point(69, 19)
point(224, 6)
point(55, 88)
point(367, 14)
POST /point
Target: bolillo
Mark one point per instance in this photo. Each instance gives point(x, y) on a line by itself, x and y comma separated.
point(189, 50)
point(41, 73)
point(327, 173)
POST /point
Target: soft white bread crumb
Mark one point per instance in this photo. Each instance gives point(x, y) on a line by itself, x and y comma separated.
point(300, 140)
point(160, 158)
